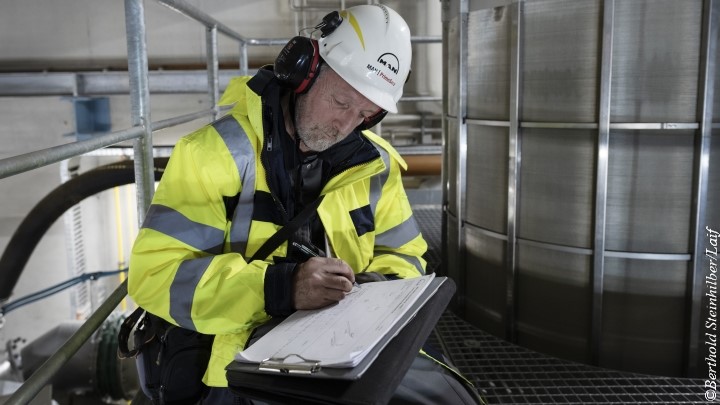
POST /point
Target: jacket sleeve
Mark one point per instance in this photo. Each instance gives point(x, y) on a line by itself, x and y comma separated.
point(399, 245)
point(178, 270)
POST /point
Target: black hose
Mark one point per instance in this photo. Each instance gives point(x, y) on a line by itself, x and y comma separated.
point(49, 209)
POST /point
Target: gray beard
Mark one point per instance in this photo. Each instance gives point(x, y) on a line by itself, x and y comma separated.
point(314, 136)
point(315, 140)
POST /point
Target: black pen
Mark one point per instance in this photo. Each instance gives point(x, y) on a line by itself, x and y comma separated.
point(305, 249)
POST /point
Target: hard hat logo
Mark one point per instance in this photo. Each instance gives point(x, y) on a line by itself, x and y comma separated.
point(390, 61)
point(391, 64)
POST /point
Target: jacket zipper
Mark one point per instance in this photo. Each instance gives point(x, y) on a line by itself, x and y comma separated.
point(269, 148)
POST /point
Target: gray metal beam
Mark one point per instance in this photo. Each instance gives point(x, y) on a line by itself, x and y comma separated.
point(196, 14)
point(33, 160)
point(699, 265)
point(107, 83)
point(514, 164)
point(140, 104)
point(111, 83)
point(461, 186)
point(213, 71)
point(601, 181)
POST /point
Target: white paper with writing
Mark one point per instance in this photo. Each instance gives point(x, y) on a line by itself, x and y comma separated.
point(340, 335)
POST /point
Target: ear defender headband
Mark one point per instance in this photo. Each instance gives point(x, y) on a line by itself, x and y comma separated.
point(298, 64)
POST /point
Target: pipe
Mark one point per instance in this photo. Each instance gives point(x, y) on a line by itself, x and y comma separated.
point(423, 165)
point(49, 209)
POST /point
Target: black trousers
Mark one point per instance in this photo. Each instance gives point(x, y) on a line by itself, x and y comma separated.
point(426, 383)
point(223, 396)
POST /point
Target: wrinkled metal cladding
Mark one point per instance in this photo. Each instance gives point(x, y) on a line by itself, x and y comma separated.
point(598, 210)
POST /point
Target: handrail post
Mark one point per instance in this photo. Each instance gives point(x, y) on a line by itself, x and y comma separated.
point(243, 58)
point(140, 103)
point(213, 69)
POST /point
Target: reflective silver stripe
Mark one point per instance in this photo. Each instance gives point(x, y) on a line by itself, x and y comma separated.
point(399, 235)
point(378, 181)
point(242, 152)
point(182, 290)
point(410, 259)
point(172, 223)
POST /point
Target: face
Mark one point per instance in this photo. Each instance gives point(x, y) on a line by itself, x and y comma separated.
point(329, 112)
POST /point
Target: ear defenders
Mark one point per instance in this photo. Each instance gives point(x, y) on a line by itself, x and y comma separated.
point(373, 120)
point(298, 64)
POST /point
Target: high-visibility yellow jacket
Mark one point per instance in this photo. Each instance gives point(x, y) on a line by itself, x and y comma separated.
point(189, 262)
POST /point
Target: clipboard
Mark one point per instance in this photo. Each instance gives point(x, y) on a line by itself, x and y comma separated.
point(372, 381)
point(302, 363)
point(300, 366)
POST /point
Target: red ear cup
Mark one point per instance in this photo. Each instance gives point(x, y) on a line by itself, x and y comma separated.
point(372, 120)
point(298, 63)
point(313, 70)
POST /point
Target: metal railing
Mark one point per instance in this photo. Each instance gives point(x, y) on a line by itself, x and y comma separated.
point(141, 135)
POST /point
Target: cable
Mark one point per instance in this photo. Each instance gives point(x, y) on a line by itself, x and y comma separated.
point(28, 299)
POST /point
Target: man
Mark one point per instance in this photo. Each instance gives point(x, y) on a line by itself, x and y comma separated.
point(294, 133)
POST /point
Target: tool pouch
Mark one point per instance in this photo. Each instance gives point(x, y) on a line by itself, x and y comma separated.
point(171, 360)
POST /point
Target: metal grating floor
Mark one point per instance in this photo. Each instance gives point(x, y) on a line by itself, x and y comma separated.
point(506, 373)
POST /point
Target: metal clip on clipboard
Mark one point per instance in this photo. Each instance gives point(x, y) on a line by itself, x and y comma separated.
point(279, 365)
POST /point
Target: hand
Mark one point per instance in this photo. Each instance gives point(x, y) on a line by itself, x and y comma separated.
point(321, 281)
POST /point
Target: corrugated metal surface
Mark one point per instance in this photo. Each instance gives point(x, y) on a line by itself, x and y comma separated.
point(656, 61)
point(650, 184)
point(488, 64)
point(560, 61)
point(556, 183)
point(488, 164)
point(617, 260)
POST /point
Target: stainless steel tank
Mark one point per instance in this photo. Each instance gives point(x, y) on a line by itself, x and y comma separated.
point(582, 174)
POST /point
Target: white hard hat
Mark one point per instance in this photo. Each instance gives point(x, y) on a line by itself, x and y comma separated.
point(371, 51)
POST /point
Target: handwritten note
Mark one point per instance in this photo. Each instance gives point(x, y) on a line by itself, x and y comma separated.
point(340, 335)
